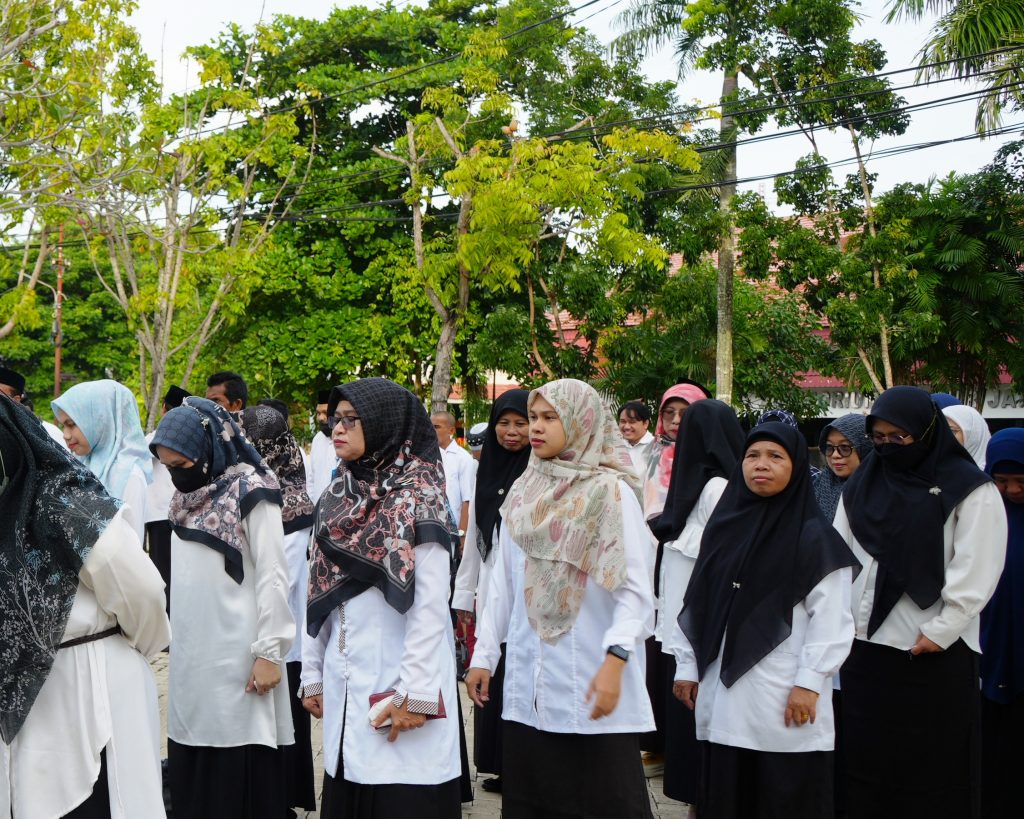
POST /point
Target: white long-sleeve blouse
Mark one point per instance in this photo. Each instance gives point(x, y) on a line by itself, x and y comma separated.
point(546, 683)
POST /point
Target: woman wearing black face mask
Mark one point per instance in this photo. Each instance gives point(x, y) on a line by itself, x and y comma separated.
point(929, 529)
point(231, 624)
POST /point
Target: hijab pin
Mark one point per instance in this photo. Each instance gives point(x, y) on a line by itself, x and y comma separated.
point(935, 490)
point(735, 585)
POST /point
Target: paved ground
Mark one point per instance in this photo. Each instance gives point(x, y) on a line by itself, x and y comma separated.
point(486, 805)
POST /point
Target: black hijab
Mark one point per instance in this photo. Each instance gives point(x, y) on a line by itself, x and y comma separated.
point(899, 498)
point(709, 443)
point(759, 557)
point(53, 511)
point(498, 470)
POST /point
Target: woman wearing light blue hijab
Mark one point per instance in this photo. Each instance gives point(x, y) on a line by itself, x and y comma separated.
point(101, 425)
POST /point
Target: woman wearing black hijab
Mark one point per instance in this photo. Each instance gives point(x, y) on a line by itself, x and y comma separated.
point(505, 453)
point(708, 447)
point(81, 610)
point(765, 625)
point(929, 528)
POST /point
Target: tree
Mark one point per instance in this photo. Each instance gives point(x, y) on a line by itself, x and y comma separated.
point(177, 282)
point(974, 39)
point(72, 73)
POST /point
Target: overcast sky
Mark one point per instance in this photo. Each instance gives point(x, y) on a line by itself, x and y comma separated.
point(168, 28)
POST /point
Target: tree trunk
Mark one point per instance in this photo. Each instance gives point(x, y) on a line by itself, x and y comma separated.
point(441, 378)
point(876, 274)
point(727, 244)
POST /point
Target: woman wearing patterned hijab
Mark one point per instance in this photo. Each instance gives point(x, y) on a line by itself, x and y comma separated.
point(81, 608)
point(227, 715)
point(101, 426)
point(844, 444)
point(379, 656)
point(268, 431)
point(571, 592)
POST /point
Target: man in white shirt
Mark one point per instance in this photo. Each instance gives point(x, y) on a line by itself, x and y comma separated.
point(322, 457)
point(634, 424)
point(459, 470)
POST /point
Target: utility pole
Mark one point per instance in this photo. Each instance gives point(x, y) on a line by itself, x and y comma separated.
point(58, 335)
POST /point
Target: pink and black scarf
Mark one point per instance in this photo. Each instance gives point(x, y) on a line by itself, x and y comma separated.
point(380, 507)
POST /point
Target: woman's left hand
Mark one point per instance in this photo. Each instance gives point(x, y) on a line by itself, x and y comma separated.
point(265, 676)
point(401, 720)
point(924, 646)
point(606, 687)
point(802, 707)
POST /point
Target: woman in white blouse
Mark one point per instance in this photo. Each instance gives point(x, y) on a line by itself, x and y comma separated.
point(571, 596)
point(228, 715)
point(378, 658)
point(764, 626)
point(81, 608)
point(710, 443)
point(100, 421)
point(929, 528)
point(506, 451)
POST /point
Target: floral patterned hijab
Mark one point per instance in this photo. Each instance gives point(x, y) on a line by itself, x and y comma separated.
point(564, 512)
point(268, 431)
point(239, 478)
point(380, 507)
point(53, 511)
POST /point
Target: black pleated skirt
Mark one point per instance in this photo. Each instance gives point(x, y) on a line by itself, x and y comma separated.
point(246, 782)
point(682, 751)
point(300, 789)
point(1002, 755)
point(911, 733)
point(547, 775)
point(488, 725)
point(738, 783)
point(158, 541)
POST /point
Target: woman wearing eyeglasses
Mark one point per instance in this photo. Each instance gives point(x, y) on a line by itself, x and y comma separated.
point(378, 660)
point(844, 444)
point(929, 529)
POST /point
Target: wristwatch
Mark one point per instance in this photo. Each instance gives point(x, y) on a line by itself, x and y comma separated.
point(620, 652)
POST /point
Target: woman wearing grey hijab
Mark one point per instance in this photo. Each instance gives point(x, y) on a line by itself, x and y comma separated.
point(844, 444)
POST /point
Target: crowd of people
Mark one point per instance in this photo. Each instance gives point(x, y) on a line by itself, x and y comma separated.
point(700, 601)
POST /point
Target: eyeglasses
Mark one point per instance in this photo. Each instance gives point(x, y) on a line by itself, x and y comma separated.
point(844, 450)
point(881, 438)
point(347, 421)
point(671, 413)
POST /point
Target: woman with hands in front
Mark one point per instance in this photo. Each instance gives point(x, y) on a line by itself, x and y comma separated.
point(378, 661)
point(571, 596)
point(765, 624)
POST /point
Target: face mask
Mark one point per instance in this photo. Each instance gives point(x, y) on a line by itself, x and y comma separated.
point(899, 456)
point(189, 478)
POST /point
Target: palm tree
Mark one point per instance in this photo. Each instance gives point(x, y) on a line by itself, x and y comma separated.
point(974, 39)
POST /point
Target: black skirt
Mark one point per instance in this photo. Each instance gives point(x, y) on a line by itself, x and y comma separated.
point(488, 725)
point(682, 751)
point(245, 782)
point(547, 775)
point(300, 790)
point(654, 741)
point(911, 733)
point(1001, 755)
point(97, 806)
point(349, 800)
point(738, 783)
